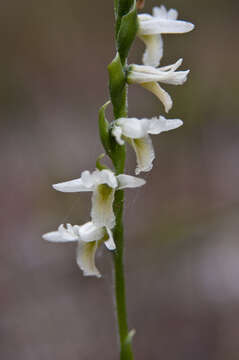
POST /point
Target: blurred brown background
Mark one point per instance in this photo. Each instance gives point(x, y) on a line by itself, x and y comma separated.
point(182, 260)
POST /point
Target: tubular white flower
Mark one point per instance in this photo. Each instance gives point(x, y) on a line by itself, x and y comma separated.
point(136, 132)
point(103, 184)
point(151, 28)
point(148, 77)
point(88, 238)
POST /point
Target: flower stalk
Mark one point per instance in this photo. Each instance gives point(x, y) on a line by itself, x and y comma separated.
point(119, 279)
point(126, 19)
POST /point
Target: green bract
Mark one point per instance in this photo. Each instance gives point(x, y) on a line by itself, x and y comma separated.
point(122, 7)
point(98, 164)
point(104, 129)
point(117, 84)
point(127, 32)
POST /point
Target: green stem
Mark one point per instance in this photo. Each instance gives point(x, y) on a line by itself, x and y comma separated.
point(125, 345)
point(119, 279)
point(120, 109)
point(125, 28)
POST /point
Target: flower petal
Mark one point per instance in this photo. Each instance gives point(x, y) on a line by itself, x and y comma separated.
point(172, 14)
point(160, 12)
point(175, 77)
point(161, 94)
point(164, 26)
point(128, 181)
point(54, 236)
point(85, 257)
point(172, 67)
point(61, 235)
point(88, 179)
point(71, 186)
point(158, 125)
point(102, 206)
point(141, 74)
point(150, 70)
point(90, 232)
point(110, 244)
point(154, 49)
point(133, 127)
point(105, 177)
point(144, 153)
point(117, 133)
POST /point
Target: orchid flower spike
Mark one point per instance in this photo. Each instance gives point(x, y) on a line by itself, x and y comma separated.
point(103, 184)
point(151, 28)
point(148, 77)
point(136, 132)
point(88, 238)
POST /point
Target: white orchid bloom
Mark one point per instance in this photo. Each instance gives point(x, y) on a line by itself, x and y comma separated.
point(136, 132)
point(151, 28)
point(103, 184)
point(148, 77)
point(88, 238)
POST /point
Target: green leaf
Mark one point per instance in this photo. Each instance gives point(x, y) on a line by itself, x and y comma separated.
point(127, 32)
point(117, 87)
point(104, 129)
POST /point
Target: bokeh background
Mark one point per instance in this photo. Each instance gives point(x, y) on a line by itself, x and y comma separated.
point(182, 248)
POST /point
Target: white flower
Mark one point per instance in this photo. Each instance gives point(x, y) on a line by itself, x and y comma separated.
point(136, 132)
point(88, 238)
point(151, 28)
point(103, 184)
point(148, 77)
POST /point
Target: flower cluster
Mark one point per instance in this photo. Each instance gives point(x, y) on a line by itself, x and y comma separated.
point(103, 182)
